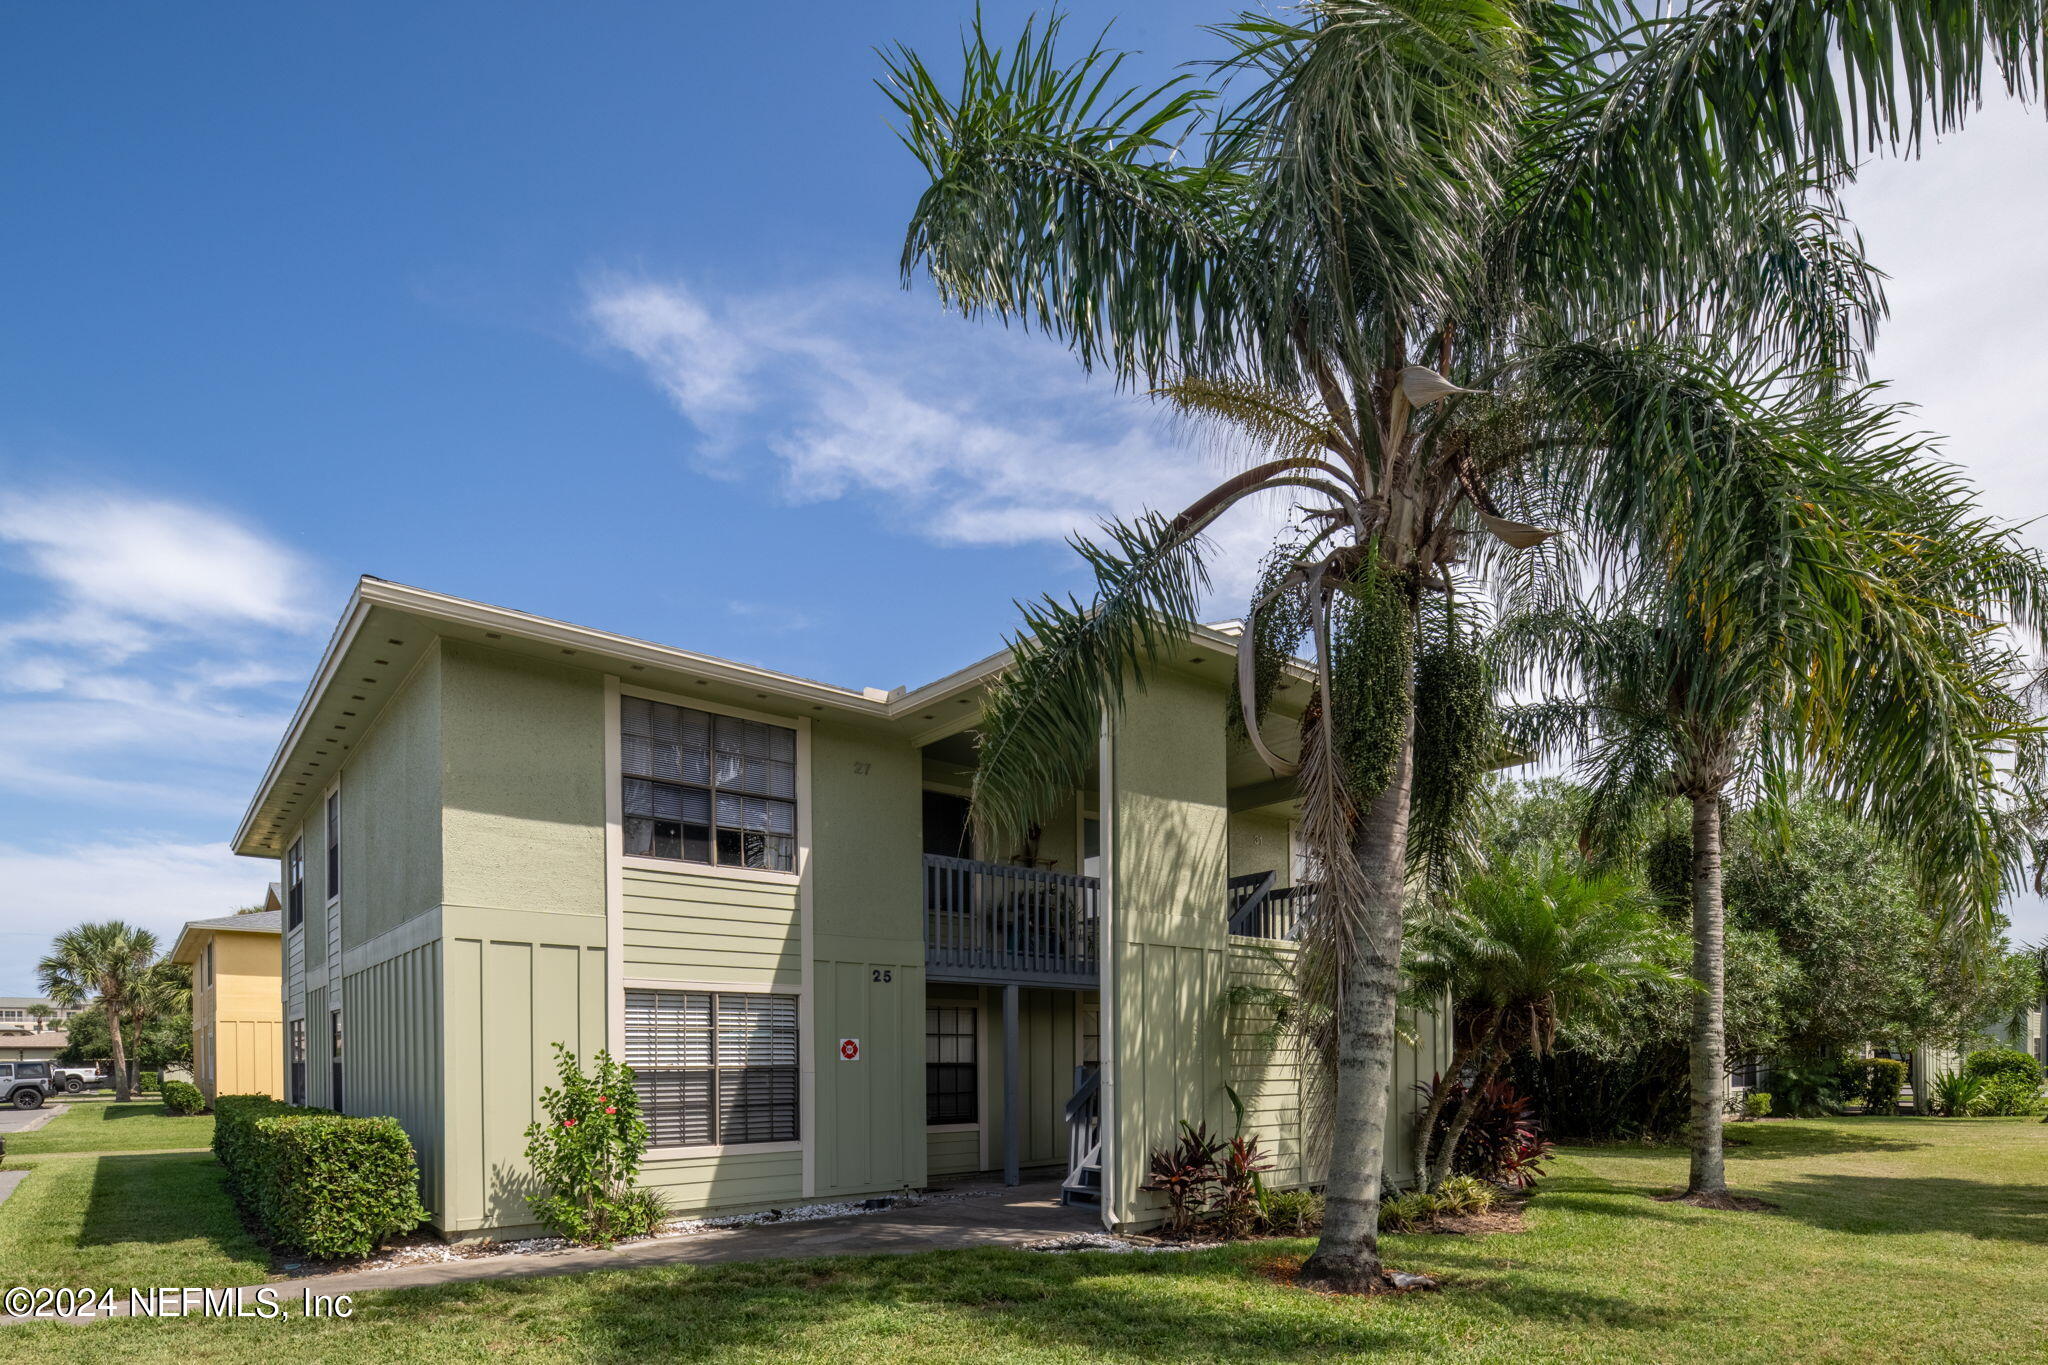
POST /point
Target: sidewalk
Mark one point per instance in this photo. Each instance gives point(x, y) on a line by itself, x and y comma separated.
point(998, 1218)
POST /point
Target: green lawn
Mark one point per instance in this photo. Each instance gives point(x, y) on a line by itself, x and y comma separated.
point(103, 1126)
point(121, 1221)
point(1898, 1239)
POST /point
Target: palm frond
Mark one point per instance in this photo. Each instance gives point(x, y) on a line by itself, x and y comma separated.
point(1043, 715)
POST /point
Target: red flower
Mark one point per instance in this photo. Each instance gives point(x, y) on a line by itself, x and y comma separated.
point(611, 1109)
point(568, 1123)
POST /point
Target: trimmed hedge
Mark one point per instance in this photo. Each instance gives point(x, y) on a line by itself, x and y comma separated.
point(1882, 1077)
point(1992, 1062)
point(315, 1181)
point(180, 1098)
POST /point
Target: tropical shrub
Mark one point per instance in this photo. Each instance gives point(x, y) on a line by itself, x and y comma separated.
point(2007, 1095)
point(1235, 1202)
point(1756, 1104)
point(587, 1153)
point(181, 1098)
point(1993, 1062)
point(148, 1082)
point(1464, 1194)
point(1184, 1173)
point(1882, 1077)
point(1503, 1141)
point(1954, 1094)
point(1408, 1212)
point(1291, 1213)
point(317, 1182)
point(1804, 1087)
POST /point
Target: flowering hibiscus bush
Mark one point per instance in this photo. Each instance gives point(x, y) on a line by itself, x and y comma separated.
point(587, 1152)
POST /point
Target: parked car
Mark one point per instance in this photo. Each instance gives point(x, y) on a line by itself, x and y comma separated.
point(73, 1079)
point(25, 1085)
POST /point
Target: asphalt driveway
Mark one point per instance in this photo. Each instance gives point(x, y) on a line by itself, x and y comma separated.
point(14, 1120)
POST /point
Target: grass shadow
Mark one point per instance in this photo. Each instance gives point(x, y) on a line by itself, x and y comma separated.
point(1791, 1139)
point(154, 1198)
point(1864, 1204)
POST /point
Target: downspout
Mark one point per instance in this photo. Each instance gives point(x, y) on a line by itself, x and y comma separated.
point(1105, 961)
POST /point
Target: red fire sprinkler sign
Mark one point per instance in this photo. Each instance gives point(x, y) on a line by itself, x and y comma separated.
point(849, 1049)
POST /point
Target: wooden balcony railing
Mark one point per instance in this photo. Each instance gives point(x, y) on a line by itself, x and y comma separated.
point(991, 922)
point(1259, 909)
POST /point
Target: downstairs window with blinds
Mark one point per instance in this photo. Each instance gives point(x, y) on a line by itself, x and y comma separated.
point(713, 1069)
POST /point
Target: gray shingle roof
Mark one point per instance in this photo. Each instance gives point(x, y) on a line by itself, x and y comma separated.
point(260, 922)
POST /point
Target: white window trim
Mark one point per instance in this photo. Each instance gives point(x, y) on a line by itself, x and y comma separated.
point(616, 864)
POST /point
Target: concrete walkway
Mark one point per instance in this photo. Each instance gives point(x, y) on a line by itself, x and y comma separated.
point(14, 1120)
point(997, 1218)
point(8, 1180)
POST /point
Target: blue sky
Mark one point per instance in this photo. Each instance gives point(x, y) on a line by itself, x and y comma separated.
point(591, 311)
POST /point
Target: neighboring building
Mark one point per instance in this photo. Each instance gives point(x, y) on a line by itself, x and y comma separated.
point(2026, 1033)
point(499, 832)
point(25, 1046)
point(18, 1014)
point(237, 1003)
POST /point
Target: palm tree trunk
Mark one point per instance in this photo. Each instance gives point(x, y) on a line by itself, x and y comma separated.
point(1709, 961)
point(1347, 1257)
point(1462, 1117)
point(1440, 1093)
point(121, 1090)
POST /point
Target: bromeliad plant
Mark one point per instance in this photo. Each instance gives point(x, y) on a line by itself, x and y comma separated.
point(1392, 263)
point(587, 1152)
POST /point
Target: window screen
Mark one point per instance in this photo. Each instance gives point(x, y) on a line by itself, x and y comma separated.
point(705, 788)
point(295, 884)
point(713, 1068)
point(951, 1084)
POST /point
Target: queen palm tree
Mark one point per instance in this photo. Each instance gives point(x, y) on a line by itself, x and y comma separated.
point(41, 1014)
point(1522, 947)
point(1811, 599)
point(107, 962)
point(1401, 202)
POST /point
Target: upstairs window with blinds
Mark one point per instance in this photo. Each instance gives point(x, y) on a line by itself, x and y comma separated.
point(704, 788)
point(713, 1069)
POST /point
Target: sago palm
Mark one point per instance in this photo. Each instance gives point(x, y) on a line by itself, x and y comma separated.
point(109, 962)
point(1399, 200)
point(1807, 598)
point(1520, 948)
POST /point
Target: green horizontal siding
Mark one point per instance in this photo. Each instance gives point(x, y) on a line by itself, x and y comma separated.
point(698, 926)
point(728, 1182)
point(952, 1151)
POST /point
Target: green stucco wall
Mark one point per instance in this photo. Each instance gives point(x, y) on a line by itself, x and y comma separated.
point(391, 812)
point(1259, 843)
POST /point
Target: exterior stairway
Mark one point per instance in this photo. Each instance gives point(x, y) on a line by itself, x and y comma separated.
point(1083, 1184)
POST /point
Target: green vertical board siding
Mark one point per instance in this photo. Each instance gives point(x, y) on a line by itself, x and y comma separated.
point(867, 903)
point(523, 783)
point(319, 1049)
point(1167, 946)
point(393, 1049)
point(515, 984)
point(869, 1114)
point(692, 924)
point(391, 811)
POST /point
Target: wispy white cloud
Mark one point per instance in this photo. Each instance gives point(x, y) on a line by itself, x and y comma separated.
point(158, 884)
point(140, 665)
point(967, 435)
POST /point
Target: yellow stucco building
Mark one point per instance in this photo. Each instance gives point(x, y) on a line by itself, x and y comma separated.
point(237, 1003)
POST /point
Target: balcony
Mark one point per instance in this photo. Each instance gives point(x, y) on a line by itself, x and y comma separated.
point(1259, 909)
point(988, 922)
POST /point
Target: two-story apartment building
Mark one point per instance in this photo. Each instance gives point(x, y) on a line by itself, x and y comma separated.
point(498, 832)
point(237, 1008)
